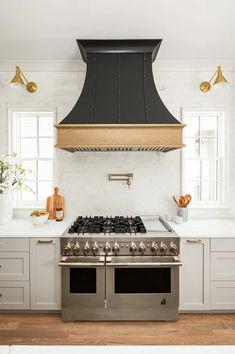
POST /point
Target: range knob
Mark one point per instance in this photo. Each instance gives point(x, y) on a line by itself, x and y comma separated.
point(67, 248)
point(141, 248)
point(133, 247)
point(163, 247)
point(76, 249)
point(107, 248)
point(173, 247)
point(116, 248)
point(154, 247)
point(86, 248)
point(95, 248)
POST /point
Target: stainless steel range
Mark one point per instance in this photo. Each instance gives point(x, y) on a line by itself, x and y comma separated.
point(117, 268)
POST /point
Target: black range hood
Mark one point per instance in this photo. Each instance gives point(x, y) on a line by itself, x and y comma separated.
point(119, 101)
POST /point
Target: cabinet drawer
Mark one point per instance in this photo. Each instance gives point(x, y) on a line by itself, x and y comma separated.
point(14, 244)
point(222, 295)
point(14, 266)
point(223, 266)
point(223, 244)
point(14, 295)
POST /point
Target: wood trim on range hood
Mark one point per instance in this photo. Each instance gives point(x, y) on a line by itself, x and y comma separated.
point(119, 137)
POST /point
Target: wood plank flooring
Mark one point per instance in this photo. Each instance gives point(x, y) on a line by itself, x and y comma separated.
point(48, 329)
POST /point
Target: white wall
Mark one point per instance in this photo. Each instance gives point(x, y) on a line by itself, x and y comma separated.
point(83, 177)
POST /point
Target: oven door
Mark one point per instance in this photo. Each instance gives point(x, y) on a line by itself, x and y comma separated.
point(146, 282)
point(83, 282)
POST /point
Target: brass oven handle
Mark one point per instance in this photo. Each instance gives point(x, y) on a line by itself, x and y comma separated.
point(159, 264)
point(62, 264)
point(194, 241)
point(42, 242)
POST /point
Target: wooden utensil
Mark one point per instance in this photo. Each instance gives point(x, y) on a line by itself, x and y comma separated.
point(175, 200)
point(181, 201)
point(188, 199)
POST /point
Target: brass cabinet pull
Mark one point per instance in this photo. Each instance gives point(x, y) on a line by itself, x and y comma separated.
point(194, 241)
point(45, 241)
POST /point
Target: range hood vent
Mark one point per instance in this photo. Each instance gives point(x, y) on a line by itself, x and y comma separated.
point(119, 108)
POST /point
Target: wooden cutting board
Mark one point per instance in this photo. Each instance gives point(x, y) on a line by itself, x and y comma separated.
point(53, 202)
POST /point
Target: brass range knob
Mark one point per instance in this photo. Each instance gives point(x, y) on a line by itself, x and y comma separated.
point(154, 247)
point(86, 249)
point(163, 247)
point(173, 247)
point(142, 248)
point(107, 248)
point(94, 248)
point(76, 249)
point(67, 248)
point(116, 248)
point(133, 248)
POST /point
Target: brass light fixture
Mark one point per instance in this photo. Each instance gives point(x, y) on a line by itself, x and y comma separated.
point(19, 80)
point(220, 79)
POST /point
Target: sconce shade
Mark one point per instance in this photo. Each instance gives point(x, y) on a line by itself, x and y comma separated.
point(220, 79)
point(17, 80)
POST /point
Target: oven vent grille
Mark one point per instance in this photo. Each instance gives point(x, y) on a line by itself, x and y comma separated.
point(142, 148)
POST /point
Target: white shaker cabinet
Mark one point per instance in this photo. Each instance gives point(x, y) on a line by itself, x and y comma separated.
point(14, 274)
point(45, 273)
point(222, 291)
point(194, 274)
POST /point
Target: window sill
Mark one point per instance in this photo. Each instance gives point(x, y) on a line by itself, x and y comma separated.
point(208, 207)
point(29, 207)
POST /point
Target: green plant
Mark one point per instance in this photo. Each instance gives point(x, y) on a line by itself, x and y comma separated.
point(12, 173)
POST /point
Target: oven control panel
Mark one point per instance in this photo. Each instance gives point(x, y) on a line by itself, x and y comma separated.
point(91, 246)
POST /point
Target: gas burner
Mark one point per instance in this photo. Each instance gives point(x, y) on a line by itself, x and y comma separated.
point(108, 225)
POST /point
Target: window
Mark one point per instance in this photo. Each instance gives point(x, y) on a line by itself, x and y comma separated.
point(32, 140)
point(204, 158)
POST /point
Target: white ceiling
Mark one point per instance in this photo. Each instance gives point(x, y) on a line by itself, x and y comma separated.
point(47, 29)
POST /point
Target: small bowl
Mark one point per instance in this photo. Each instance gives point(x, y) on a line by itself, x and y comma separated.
point(40, 220)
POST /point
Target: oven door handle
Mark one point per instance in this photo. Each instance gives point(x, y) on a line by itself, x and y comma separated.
point(144, 264)
point(67, 264)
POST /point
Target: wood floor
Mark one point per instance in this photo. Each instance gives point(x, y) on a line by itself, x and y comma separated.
point(46, 329)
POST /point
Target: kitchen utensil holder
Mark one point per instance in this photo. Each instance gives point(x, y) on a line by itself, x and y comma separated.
point(183, 212)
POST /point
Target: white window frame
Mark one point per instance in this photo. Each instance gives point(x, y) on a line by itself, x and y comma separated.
point(224, 171)
point(12, 146)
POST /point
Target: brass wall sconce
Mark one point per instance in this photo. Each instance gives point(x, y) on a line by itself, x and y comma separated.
point(19, 80)
point(205, 86)
point(128, 177)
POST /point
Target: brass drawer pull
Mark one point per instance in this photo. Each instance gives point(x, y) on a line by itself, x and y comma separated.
point(194, 241)
point(45, 241)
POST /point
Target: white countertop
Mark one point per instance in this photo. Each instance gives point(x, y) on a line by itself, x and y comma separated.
point(219, 228)
point(129, 349)
point(4, 349)
point(224, 227)
point(25, 228)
